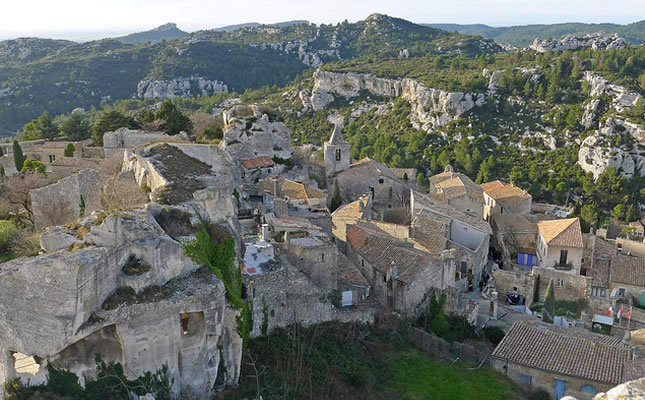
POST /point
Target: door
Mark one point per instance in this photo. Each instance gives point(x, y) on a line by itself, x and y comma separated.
point(563, 257)
point(560, 388)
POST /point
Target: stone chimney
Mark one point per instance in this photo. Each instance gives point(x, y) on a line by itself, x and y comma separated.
point(264, 232)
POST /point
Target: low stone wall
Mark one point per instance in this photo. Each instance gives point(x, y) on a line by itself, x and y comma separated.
point(437, 347)
point(456, 303)
point(573, 286)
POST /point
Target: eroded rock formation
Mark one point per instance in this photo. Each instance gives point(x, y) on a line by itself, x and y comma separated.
point(595, 41)
point(179, 87)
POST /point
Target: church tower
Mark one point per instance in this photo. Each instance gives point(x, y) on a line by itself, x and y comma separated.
point(336, 152)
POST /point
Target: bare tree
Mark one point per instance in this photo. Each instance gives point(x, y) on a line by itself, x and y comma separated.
point(121, 192)
point(15, 191)
point(56, 211)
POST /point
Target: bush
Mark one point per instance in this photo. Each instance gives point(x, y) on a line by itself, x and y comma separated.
point(494, 334)
point(33, 165)
point(8, 233)
point(69, 150)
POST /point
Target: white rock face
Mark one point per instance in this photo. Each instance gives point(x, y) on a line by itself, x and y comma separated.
point(591, 114)
point(571, 42)
point(622, 98)
point(179, 87)
point(431, 108)
point(250, 133)
point(597, 153)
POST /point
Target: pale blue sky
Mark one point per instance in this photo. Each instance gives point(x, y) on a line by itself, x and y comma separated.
point(66, 18)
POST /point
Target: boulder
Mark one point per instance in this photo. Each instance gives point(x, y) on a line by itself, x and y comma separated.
point(591, 114)
point(57, 238)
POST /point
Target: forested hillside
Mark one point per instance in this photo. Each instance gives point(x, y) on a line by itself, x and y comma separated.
point(58, 76)
point(523, 35)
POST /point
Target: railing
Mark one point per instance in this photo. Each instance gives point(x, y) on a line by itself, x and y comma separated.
point(563, 267)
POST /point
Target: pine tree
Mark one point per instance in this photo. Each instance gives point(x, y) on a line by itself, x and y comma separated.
point(69, 150)
point(549, 304)
point(18, 156)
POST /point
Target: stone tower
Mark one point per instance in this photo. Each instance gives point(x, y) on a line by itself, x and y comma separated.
point(336, 152)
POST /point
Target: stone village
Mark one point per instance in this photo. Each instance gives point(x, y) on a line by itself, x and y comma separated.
point(315, 241)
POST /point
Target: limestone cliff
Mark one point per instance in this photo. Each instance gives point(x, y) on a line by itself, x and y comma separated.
point(431, 108)
point(595, 41)
point(179, 87)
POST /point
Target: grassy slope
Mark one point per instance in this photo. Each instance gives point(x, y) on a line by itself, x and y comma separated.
point(346, 361)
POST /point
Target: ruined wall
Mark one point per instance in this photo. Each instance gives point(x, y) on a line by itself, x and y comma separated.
point(60, 203)
point(124, 138)
point(318, 262)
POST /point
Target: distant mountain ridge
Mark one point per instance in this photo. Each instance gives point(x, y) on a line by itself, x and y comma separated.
point(523, 35)
point(167, 31)
point(231, 28)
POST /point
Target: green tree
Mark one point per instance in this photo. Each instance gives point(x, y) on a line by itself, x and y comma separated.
point(619, 212)
point(18, 157)
point(549, 304)
point(110, 121)
point(422, 181)
point(174, 121)
point(42, 127)
point(75, 127)
point(336, 200)
point(444, 159)
point(69, 150)
point(33, 165)
point(589, 214)
point(1, 152)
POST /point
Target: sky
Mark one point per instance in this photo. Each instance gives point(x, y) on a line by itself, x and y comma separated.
point(103, 18)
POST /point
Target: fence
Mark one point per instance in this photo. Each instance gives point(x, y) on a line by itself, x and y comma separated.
point(445, 350)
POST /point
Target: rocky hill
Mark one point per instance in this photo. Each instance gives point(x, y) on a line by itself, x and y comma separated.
point(523, 35)
point(164, 32)
point(64, 75)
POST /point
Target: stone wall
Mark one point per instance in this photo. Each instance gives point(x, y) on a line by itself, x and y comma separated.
point(318, 262)
point(573, 286)
point(509, 281)
point(124, 138)
point(60, 203)
point(437, 347)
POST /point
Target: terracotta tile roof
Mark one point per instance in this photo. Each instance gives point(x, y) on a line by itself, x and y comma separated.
point(297, 191)
point(490, 187)
point(628, 270)
point(258, 162)
point(566, 351)
point(637, 225)
point(562, 232)
point(348, 273)
point(365, 169)
point(451, 185)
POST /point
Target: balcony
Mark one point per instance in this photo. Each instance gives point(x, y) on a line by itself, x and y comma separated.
point(563, 267)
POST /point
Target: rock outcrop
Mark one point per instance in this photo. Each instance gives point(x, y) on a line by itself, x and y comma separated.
point(179, 87)
point(63, 307)
point(595, 41)
point(431, 108)
point(591, 114)
point(621, 97)
point(253, 131)
point(597, 151)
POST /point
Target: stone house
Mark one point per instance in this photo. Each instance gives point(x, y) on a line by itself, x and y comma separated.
point(390, 195)
point(315, 257)
point(50, 151)
point(400, 275)
point(562, 361)
point(254, 170)
point(467, 235)
point(516, 238)
point(458, 191)
point(336, 152)
point(560, 245)
point(353, 286)
point(349, 214)
point(66, 166)
point(297, 195)
point(503, 198)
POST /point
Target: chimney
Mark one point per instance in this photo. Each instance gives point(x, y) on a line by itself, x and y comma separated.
point(412, 231)
point(275, 187)
point(264, 233)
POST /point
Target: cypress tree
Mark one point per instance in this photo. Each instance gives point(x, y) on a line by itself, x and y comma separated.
point(549, 304)
point(336, 201)
point(18, 156)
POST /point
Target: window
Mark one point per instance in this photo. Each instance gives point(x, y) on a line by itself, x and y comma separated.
point(588, 389)
point(560, 283)
point(526, 379)
point(381, 180)
point(464, 267)
point(390, 193)
point(322, 257)
point(253, 292)
point(52, 158)
point(273, 313)
point(184, 323)
point(563, 257)
point(598, 292)
point(384, 278)
point(362, 263)
point(338, 154)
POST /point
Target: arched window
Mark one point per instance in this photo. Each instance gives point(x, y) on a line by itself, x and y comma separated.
point(338, 153)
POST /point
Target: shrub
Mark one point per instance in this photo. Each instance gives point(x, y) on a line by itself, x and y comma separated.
point(8, 234)
point(69, 150)
point(134, 267)
point(494, 334)
point(33, 165)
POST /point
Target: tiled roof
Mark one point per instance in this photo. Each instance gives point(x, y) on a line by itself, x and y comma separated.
point(628, 270)
point(299, 191)
point(363, 170)
point(451, 185)
point(567, 351)
point(258, 162)
point(348, 272)
point(423, 201)
point(490, 187)
point(562, 232)
point(431, 231)
point(637, 225)
point(504, 193)
point(400, 172)
point(384, 251)
point(351, 210)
